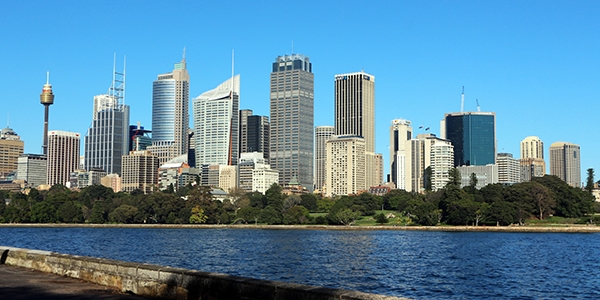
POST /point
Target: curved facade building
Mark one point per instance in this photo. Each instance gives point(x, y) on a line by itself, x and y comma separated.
point(170, 113)
point(216, 129)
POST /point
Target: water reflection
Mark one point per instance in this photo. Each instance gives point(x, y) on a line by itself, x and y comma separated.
point(419, 265)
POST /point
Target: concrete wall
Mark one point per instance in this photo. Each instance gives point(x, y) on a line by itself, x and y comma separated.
point(169, 283)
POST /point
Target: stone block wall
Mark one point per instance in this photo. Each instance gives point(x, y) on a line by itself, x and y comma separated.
point(170, 283)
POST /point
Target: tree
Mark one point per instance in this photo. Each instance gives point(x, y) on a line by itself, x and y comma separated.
point(428, 178)
point(291, 201)
point(472, 184)
point(69, 212)
point(271, 215)
point(345, 216)
point(296, 215)
point(590, 180)
point(43, 212)
point(309, 201)
point(324, 205)
point(98, 213)
point(249, 214)
point(123, 214)
point(482, 212)
point(381, 218)
point(198, 216)
point(542, 197)
point(454, 178)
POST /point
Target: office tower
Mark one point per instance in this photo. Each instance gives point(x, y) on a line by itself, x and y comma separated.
point(139, 171)
point(378, 169)
point(400, 133)
point(216, 124)
point(532, 147)
point(107, 139)
point(532, 158)
point(63, 156)
point(322, 135)
point(473, 135)
point(169, 174)
point(531, 167)
point(32, 169)
point(346, 161)
point(442, 160)
point(191, 157)
point(139, 138)
point(355, 113)
point(244, 114)
point(112, 181)
point(254, 133)
point(82, 178)
point(11, 147)
point(292, 119)
point(258, 132)
point(47, 99)
point(248, 162)
point(263, 178)
point(227, 177)
point(170, 117)
point(485, 175)
point(565, 162)
point(418, 158)
point(509, 170)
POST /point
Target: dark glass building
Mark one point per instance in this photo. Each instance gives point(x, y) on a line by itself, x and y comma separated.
point(473, 135)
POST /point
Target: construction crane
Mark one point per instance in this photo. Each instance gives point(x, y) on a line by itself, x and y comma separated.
point(479, 110)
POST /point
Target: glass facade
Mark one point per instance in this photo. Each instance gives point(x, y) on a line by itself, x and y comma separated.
point(473, 136)
point(163, 110)
point(292, 119)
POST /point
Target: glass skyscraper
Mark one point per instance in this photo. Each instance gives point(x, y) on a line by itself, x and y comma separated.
point(170, 113)
point(216, 129)
point(473, 135)
point(292, 119)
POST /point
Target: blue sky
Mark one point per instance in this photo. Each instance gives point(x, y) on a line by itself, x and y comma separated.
point(534, 63)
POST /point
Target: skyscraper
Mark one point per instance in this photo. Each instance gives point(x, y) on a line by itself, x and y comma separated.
point(419, 156)
point(244, 114)
point(216, 124)
point(565, 162)
point(11, 147)
point(400, 134)
point(346, 170)
point(532, 158)
point(32, 168)
point(292, 119)
point(322, 135)
point(442, 155)
point(355, 114)
point(170, 116)
point(508, 169)
point(63, 156)
point(473, 135)
point(254, 133)
point(140, 171)
point(107, 139)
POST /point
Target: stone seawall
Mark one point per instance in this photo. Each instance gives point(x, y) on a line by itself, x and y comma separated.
point(169, 283)
point(556, 228)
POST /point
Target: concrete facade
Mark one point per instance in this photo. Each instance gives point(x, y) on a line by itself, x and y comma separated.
point(140, 171)
point(346, 161)
point(565, 162)
point(509, 170)
point(63, 156)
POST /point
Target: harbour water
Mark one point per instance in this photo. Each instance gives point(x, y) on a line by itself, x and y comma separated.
point(412, 264)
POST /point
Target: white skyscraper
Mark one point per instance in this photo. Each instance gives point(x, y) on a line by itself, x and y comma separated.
point(400, 133)
point(216, 117)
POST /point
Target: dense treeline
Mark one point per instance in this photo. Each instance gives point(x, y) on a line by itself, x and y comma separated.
point(493, 204)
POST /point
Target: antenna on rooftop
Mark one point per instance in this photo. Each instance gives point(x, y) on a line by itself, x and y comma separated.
point(462, 101)
point(479, 110)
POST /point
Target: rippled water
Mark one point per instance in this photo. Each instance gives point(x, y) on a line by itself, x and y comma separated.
point(413, 264)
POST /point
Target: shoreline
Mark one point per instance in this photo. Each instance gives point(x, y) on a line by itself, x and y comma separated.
point(557, 228)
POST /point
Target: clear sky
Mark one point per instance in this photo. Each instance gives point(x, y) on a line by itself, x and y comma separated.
point(536, 64)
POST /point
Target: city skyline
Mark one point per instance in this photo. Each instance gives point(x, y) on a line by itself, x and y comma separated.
point(513, 63)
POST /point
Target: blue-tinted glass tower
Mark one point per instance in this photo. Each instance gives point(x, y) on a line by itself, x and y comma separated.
point(473, 135)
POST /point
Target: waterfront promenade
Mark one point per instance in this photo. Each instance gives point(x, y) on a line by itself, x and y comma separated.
point(25, 284)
